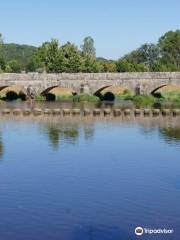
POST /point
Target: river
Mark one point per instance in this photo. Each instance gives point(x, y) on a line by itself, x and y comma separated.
point(89, 179)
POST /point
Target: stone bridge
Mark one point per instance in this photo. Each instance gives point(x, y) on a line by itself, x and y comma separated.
point(91, 83)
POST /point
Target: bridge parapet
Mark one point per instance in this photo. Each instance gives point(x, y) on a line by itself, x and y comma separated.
point(92, 82)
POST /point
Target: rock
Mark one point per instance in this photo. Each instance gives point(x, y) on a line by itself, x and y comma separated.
point(76, 111)
point(6, 111)
point(117, 112)
point(137, 112)
point(156, 112)
point(127, 111)
point(97, 111)
point(166, 112)
point(66, 111)
point(17, 111)
point(47, 111)
point(56, 111)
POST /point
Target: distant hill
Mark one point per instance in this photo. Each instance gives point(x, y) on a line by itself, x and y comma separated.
point(21, 53)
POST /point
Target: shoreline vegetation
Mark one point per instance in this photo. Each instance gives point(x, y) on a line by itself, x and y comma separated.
point(160, 100)
point(54, 57)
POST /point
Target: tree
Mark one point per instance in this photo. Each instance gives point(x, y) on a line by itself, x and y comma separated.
point(107, 65)
point(2, 64)
point(170, 46)
point(31, 65)
point(150, 54)
point(147, 54)
point(71, 58)
point(123, 65)
point(48, 56)
point(1, 39)
point(91, 65)
point(88, 48)
point(13, 67)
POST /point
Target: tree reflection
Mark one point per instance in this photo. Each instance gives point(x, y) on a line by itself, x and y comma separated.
point(1, 147)
point(88, 132)
point(170, 134)
point(57, 132)
point(54, 136)
point(62, 133)
point(70, 134)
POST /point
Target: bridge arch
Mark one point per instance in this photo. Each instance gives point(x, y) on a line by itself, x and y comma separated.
point(157, 88)
point(109, 92)
point(13, 92)
point(51, 93)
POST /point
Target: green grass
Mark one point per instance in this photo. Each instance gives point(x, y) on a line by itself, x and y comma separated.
point(85, 98)
point(64, 98)
point(40, 98)
point(171, 96)
point(126, 95)
point(144, 101)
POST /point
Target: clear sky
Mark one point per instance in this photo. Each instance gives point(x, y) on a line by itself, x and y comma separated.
point(117, 26)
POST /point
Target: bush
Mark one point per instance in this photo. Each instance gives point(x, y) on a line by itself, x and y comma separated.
point(144, 100)
point(126, 95)
point(85, 98)
point(40, 98)
point(13, 67)
point(64, 98)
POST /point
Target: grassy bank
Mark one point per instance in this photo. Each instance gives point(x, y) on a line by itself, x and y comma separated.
point(170, 99)
point(71, 98)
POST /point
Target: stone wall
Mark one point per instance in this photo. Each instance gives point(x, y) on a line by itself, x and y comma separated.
point(92, 82)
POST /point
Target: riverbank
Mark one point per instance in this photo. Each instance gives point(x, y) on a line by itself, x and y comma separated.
point(159, 100)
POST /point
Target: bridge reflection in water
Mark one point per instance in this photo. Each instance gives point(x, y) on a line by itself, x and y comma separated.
point(82, 177)
point(69, 130)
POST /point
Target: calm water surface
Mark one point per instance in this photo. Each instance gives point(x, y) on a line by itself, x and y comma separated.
point(81, 181)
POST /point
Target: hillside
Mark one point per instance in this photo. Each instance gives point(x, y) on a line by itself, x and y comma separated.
point(21, 53)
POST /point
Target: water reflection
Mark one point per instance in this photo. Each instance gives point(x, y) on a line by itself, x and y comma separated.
point(69, 134)
point(1, 147)
point(170, 134)
point(111, 177)
point(54, 136)
point(89, 132)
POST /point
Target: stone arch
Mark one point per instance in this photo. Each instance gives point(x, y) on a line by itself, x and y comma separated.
point(52, 92)
point(157, 88)
point(108, 92)
point(44, 92)
point(98, 92)
point(13, 92)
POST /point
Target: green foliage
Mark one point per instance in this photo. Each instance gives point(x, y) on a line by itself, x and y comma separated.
point(48, 55)
point(122, 65)
point(71, 58)
point(88, 48)
point(20, 53)
point(91, 65)
point(144, 100)
point(126, 95)
point(170, 46)
point(108, 66)
point(2, 64)
point(1, 39)
point(40, 98)
point(85, 98)
point(31, 66)
point(65, 98)
point(13, 67)
point(51, 57)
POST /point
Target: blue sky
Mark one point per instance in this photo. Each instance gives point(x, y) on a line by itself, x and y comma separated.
point(117, 26)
